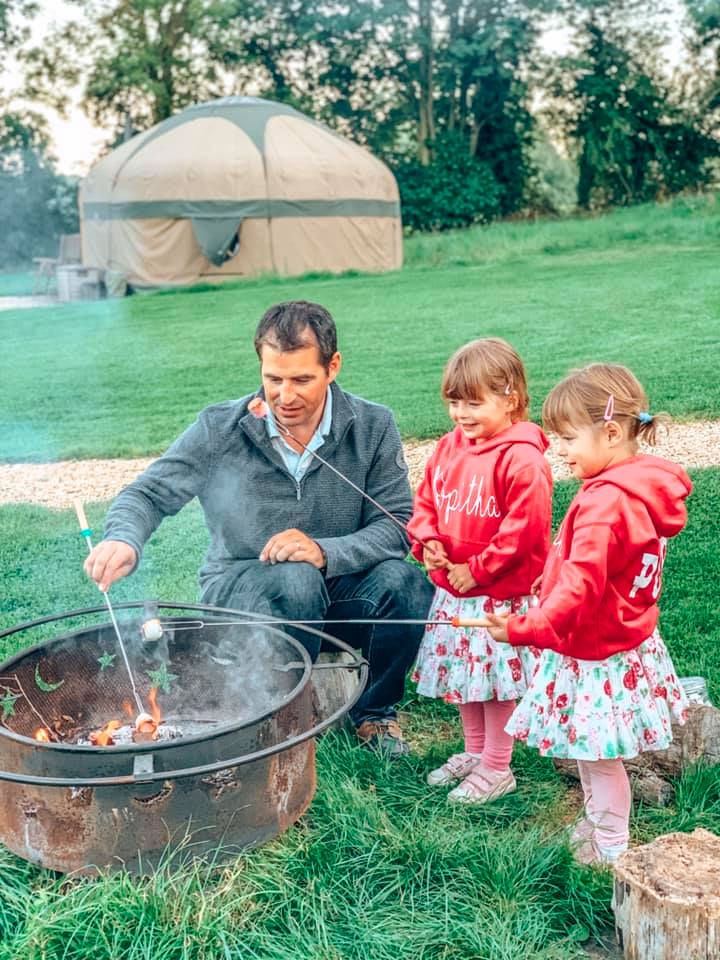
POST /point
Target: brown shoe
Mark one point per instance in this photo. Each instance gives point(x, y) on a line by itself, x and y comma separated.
point(385, 736)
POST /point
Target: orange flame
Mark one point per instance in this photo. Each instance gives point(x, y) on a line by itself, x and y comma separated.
point(146, 725)
point(127, 707)
point(103, 738)
point(42, 735)
point(154, 708)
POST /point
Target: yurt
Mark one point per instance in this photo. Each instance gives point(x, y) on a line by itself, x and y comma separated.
point(237, 187)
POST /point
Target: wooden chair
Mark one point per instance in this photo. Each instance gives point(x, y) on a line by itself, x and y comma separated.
point(68, 252)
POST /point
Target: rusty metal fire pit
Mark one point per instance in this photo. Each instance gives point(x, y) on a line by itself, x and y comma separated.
point(236, 769)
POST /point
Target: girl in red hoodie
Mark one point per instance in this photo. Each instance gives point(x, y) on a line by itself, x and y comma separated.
point(605, 689)
point(482, 514)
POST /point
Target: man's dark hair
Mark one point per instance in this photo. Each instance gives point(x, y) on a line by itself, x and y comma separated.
point(285, 327)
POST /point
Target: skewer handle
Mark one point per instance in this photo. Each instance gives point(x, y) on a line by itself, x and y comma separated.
point(82, 519)
point(469, 622)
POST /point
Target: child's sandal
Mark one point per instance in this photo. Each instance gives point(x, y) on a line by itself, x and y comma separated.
point(483, 785)
point(456, 767)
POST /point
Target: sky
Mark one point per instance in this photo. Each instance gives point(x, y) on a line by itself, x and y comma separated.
point(78, 142)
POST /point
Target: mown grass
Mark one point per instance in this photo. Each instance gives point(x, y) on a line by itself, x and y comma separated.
point(639, 286)
point(381, 868)
point(17, 284)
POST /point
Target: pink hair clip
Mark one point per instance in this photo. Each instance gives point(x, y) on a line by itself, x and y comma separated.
point(609, 409)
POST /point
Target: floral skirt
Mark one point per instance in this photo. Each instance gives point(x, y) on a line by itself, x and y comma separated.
point(465, 665)
point(601, 709)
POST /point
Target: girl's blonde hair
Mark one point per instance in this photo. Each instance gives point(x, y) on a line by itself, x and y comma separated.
point(598, 392)
point(485, 366)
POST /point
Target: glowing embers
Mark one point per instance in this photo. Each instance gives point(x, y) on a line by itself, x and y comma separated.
point(104, 737)
point(43, 735)
point(144, 729)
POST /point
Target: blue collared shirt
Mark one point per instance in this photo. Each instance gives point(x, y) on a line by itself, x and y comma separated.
point(297, 461)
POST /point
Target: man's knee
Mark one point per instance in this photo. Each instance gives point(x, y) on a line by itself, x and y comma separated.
point(296, 585)
point(405, 587)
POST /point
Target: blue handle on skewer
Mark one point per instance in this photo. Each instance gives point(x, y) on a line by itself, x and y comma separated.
point(86, 533)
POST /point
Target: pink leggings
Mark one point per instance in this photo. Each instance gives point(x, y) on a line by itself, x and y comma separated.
point(606, 789)
point(484, 728)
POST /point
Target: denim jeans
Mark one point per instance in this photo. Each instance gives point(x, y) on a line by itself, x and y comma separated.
point(393, 589)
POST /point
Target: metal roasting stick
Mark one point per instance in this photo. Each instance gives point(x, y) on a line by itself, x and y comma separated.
point(203, 624)
point(288, 433)
point(87, 533)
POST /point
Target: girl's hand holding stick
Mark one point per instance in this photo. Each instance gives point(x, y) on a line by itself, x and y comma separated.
point(498, 627)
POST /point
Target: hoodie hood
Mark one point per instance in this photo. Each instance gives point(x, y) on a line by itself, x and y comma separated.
point(661, 485)
point(523, 431)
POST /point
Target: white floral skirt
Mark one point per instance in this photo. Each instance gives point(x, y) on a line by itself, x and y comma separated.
point(465, 665)
point(601, 709)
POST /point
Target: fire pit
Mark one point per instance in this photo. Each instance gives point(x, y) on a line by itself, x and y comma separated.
point(226, 760)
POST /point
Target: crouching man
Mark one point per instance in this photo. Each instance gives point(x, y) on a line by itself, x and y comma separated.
point(289, 537)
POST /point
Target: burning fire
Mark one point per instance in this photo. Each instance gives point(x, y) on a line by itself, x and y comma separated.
point(42, 734)
point(146, 724)
point(104, 738)
point(144, 727)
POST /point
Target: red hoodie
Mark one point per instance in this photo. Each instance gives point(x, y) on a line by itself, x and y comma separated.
point(604, 574)
point(489, 504)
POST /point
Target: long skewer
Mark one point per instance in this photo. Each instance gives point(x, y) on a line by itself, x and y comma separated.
point(277, 621)
point(87, 534)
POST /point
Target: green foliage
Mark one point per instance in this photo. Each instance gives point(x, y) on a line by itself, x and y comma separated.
point(453, 190)
point(635, 144)
point(36, 203)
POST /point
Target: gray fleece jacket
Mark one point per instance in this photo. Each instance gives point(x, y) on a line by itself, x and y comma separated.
point(227, 461)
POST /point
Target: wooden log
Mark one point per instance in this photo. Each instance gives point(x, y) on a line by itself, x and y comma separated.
point(667, 898)
point(331, 688)
point(698, 740)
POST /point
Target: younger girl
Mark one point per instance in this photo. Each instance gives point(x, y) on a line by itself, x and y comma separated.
point(605, 688)
point(483, 512)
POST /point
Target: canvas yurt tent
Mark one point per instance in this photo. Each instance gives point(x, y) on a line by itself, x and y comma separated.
point(236, 187)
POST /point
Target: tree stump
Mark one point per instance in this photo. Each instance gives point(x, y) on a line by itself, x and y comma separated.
point(698, 740)
point(667, 898)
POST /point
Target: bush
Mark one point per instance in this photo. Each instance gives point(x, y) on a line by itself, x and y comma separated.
point(454, 190)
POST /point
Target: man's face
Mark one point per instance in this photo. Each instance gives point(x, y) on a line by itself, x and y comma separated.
point(296, 384)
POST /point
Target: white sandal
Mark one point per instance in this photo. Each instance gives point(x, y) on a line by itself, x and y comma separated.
point(456, 767)
point(483, 785)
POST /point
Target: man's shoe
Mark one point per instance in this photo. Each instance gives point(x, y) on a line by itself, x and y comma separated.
point(384, 736)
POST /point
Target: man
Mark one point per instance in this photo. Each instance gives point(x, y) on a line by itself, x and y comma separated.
point(288, 536)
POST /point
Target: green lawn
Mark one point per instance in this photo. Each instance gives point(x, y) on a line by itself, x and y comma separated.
point(640, 286)
point(18, 284)
point(381, 868)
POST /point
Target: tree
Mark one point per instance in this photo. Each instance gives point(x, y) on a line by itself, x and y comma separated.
point(140, 60)
point(36, 203)
point(407, 77)
point(634, 142)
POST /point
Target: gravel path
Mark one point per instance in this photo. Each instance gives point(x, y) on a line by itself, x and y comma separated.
point(56, 485)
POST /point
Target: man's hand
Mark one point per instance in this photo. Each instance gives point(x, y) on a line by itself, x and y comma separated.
point(498, 627)
point(536, 586)
point(434, 555)
point(293, 545)
point(460, 578)
point(110, 561)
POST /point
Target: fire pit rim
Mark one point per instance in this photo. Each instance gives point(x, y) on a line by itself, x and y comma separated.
point(156, 745)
